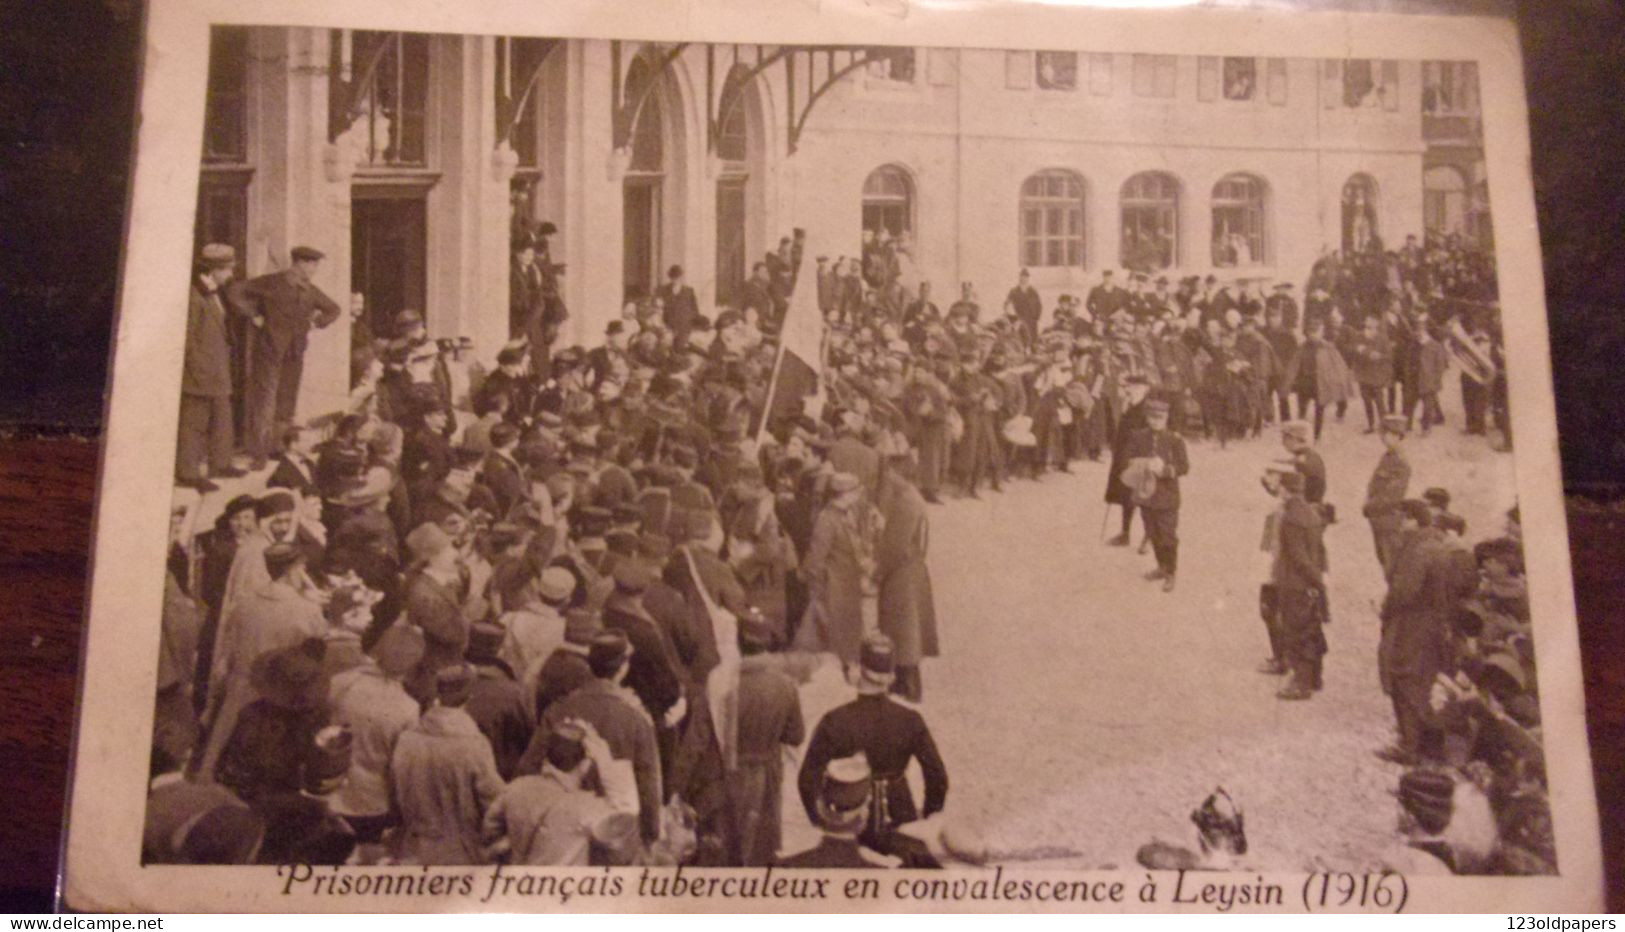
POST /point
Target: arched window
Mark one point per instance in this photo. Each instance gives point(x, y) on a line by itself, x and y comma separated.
point(1360, 215)
point(1150, 221)
point(1444, 200)
point(888, 201)
point(1238, 221)
point(648, 144)
point(731, 134)
point(642, 187)
point(1052, 219)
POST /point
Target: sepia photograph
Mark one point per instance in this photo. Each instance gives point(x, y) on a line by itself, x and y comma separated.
point(1072, 461)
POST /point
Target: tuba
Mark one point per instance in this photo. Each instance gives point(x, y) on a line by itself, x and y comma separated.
point(1474, 360)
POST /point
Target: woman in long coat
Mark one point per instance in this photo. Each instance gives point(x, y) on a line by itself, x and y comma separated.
point(908, 613)
point(838, 570)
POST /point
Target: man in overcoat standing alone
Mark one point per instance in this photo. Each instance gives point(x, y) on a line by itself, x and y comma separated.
point(283, 307)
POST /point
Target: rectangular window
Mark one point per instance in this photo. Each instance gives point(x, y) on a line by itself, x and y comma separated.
point(1057, 71)
point(225, 121)
point(1207, 78)
point(1100, 74)
point(519, 101)
point(381, 88)
point(1154, 75)
point(1366, 84)
point(1277, 81)
point(893, 64)
point(1018, 70)
point(1240, 78)
point(1450, 88)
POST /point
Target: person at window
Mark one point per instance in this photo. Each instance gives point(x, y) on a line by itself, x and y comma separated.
point(284, 306)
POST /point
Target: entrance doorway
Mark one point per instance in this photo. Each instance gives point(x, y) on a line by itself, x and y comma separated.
point(730, 239)
point(389, 243)
point(641, 223)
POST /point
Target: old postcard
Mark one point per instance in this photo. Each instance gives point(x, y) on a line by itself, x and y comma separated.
point(643, 457)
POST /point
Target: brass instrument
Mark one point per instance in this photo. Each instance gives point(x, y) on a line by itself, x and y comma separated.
point(1475, 360)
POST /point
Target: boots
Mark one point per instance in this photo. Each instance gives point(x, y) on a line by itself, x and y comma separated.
point(1299, 686)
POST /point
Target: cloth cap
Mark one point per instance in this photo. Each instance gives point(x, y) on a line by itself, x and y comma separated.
point(454, 684)
point(327, 760)
point(427, 541)
point(218, 255)
point(400, 650)
point(307, 254)
point(484, 640)
point(581, 626)
point(279, 556)
point(276, 502)
point(556, 584)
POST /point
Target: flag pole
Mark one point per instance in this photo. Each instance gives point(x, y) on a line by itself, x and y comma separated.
point(772, 389)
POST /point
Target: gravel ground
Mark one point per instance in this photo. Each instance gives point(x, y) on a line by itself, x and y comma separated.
point(1083, 712)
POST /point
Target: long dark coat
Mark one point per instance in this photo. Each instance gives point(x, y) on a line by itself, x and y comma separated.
point(1132, 422)
point(1416, 618)
point(908, 613)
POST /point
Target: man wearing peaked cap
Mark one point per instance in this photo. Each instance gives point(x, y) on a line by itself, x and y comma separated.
point(283, 306)
point(495, 702)
point(1386, 490)
point(654, 674)
point(1161, 458)
point(444, 776)
point(618, 715)
point(890, 735)
point(1296, 438)
point(843, 812)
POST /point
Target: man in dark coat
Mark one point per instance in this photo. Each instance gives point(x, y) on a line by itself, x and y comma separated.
point(681, 312)
point(1283, 304)
point(495, 703)
point(1131, 422)
point(205, 434)
point(284, 306)
point(1105, 299)
point(524, 286)
point(1300, 589)
point(1023, 301)
point(843, 809)
point(1161, 453)
point(1295, 438)
point(1416, 645)
point(1386, 490)
point(889, 735)
point(655, 674)
point(907, 609)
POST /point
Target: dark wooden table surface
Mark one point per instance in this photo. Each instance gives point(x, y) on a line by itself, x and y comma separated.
point(46, 487)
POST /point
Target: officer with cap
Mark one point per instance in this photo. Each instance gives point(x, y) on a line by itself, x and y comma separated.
point(1296, 437)
point(889, 734)
point(842, 812)
point(1386, 490)
point(1160, 455)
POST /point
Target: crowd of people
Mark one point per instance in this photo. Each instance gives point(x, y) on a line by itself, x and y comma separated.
point(556, 612)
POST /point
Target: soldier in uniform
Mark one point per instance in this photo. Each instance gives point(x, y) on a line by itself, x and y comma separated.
point(842, 811)
point(1162, 453)
point(889, 735)
point(1386, 490)
point(1105, 298)
point(1300, 589)
point(1295, 437)
point(1023, 301)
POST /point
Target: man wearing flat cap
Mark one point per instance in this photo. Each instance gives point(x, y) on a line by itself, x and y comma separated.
point(283, 307)
point(890, 735)
point(206, 434)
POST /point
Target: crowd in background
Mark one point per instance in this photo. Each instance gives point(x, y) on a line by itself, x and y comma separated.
point(481, 614)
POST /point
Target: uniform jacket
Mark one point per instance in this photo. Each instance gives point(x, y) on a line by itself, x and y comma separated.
point(289, 307)
point(499, 711)
point(835, 572)
point(377, 710)
point(436, 610)
point(1386, 490)
point(206, 370)
point(1372, 359)
point(654, 673)
point(1301, 560)
point(444, 777)
point(890, 735)
point(1416, 614)
point(1313, 469)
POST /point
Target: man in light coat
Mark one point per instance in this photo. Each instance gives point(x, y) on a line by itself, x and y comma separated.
point(907, 608)
point(444, 777)
point(372, 701)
